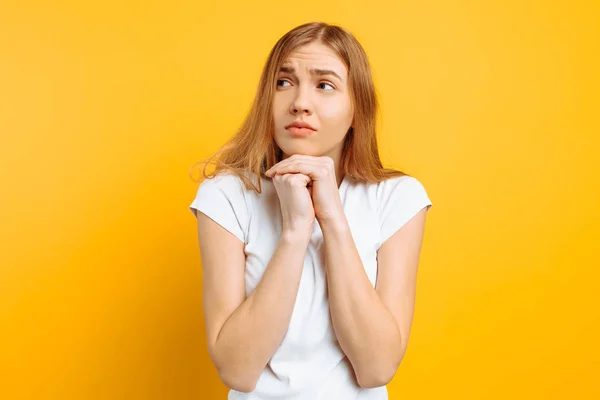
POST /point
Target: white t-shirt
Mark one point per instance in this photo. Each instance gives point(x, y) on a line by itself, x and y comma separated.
point(309, 364)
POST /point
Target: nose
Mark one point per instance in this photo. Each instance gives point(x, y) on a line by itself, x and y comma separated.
point(301, 103)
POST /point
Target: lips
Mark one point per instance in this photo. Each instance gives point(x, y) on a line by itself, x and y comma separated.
point(300, 129)
point(300, 132)
point(300, 124)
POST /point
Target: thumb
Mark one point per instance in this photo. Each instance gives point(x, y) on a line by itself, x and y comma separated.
point(306, 180)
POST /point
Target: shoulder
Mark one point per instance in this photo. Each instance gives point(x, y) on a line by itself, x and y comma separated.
point(405, 190)
point(228, 183)
point(406, 184)
point(222, 179)
point(224, 189)
point(222, 198)
point(398, 200)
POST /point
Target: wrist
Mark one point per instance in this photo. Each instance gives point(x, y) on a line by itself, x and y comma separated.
point(297, 232)
point(338, 223)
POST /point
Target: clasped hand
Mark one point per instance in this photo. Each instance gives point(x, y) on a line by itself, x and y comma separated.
point(322, 187)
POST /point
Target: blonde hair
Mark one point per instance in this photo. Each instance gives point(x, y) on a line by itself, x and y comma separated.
point(253, 150)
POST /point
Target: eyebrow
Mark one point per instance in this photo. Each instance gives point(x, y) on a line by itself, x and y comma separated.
point(313, 71)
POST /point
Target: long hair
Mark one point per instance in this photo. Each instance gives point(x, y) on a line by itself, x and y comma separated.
point(253, 150)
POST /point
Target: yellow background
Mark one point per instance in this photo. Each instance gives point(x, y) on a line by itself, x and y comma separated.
point(104, 108)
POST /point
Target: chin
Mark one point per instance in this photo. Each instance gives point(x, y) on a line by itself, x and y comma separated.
point(302, 150)
point(291, 147)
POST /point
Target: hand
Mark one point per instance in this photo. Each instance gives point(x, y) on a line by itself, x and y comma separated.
point(323, 184)
point(297, 210)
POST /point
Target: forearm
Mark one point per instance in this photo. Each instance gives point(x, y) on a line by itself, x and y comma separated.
point(255, 330)
point(364, 327)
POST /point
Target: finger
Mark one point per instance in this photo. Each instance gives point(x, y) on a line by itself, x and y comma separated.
point(301, 157)
point(314, 171)
point(290, 162)
point(296, 179)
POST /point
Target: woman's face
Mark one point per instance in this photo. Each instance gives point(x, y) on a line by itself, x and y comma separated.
point(312, 87)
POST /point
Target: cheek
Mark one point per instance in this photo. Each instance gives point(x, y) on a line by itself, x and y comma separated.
point(279, 112)
point(336, 112)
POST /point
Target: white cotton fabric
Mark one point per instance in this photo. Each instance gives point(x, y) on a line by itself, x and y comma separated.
point(309, 364)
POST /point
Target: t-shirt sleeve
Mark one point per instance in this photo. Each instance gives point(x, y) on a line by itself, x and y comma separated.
point(400, 199)
point(222, 199)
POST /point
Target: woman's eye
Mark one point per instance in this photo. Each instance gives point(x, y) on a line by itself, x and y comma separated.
point(280, 83)
point(329, 84)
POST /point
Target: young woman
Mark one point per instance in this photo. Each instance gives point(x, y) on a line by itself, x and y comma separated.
point(309, 246)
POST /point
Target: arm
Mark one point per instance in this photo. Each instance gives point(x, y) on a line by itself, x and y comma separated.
point(244, 333)
point(372, 325)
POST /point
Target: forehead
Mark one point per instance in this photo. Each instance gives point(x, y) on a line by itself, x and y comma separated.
point(316, 55)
